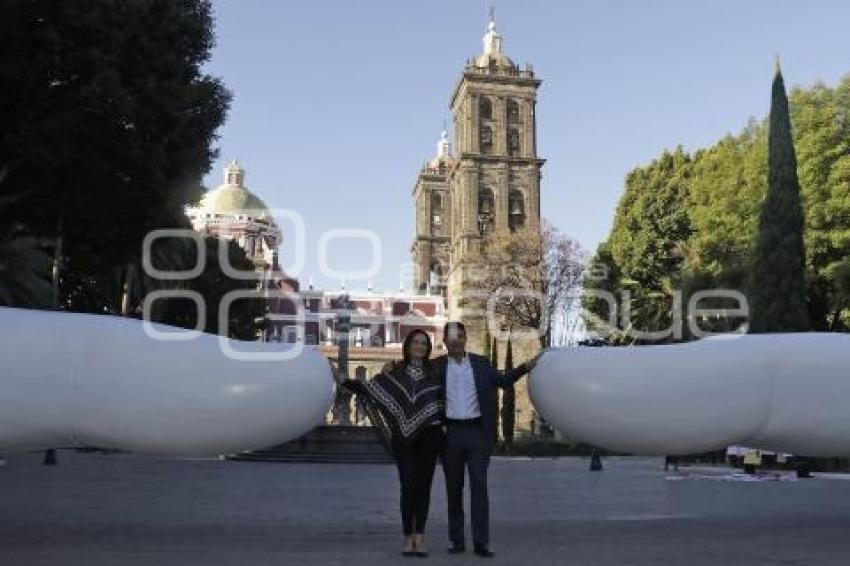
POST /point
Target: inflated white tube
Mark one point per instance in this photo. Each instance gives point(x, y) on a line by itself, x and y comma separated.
point(783, 392)
point(85, 380)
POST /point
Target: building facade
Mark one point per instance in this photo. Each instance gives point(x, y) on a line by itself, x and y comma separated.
point(379, 321)
point(487, 188)
point(232, 212)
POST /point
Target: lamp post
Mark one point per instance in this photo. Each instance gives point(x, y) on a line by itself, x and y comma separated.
point(342, 408)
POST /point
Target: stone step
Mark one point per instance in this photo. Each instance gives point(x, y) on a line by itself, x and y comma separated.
point(314, 458)
point(325, 444)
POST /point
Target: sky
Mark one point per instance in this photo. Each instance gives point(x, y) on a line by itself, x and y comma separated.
point(337, 104)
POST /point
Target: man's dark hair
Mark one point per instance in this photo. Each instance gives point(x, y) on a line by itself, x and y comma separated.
point(453, 325)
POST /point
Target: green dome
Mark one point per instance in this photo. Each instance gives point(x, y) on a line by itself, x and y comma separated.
point(235, 200)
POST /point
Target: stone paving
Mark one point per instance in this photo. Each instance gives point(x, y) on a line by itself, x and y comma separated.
point(123, 510)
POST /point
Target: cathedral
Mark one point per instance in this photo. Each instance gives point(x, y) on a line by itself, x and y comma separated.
point(486, 187)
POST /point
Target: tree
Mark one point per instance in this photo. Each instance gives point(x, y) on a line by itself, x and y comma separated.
point(508, 412)
point(24, 267)
point(603, 276)
point(534, 277)
point(726, 185)
point(822, 142)
point(647, 244)
point(777, 288)
point(108, 121)
point(245, 316)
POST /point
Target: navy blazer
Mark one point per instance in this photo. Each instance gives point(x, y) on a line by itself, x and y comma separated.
point(487, 379)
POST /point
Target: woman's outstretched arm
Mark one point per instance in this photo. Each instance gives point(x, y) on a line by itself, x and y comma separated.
point(353, 385)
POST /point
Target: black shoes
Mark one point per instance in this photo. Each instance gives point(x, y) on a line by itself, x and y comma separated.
point(480, 550)
point(483, 551)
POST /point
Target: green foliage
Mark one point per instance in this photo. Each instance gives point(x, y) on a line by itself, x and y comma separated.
point(107, 125)
point(24, 267)
point(777, 291)
point(821, 124)
point(652, 220)
point(24, 270)
point(644, 254)
point(603, 276)
point(508, 410)
point(245, 315)
point(691, 222)
point(727, 183)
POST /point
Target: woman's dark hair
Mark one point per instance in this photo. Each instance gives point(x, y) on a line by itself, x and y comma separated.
point(408, 340)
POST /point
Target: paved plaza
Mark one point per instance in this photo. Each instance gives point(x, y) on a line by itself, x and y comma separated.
point(122, 510)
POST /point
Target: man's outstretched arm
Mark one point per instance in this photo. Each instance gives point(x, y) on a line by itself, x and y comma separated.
point(510, 376)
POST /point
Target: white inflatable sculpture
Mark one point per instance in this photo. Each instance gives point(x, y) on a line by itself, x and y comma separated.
point(83, 380)
point(783, 392)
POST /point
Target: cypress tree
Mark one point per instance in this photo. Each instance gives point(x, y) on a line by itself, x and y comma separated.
point(492, 351)
point(777, 283)
point(508, 412)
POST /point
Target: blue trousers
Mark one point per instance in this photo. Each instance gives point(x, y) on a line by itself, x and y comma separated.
point(467, 449)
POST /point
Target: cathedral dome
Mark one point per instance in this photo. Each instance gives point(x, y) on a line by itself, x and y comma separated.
point(232, 198)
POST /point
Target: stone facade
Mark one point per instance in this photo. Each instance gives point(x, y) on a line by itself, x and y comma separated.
point(379, 322)
point(488, 187)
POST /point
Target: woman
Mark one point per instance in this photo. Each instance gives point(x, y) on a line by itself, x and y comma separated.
point(410, 402)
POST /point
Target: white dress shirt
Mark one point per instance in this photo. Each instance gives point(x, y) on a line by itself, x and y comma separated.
point(461, 394)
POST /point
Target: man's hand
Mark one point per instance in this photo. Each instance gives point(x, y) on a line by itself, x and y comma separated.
point(529, 365)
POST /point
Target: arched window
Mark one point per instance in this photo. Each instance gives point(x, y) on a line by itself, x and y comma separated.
point(436, 203)
point(513, 142)
point(436, 214)
point(513, 111)
point(435, 277)
point(485, 108)
point(516, 210)
point(486, 209)
point(486, 139)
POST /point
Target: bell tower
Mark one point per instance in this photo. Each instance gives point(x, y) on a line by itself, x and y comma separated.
point(494, 184)
point(484, 188)
point(433, 221)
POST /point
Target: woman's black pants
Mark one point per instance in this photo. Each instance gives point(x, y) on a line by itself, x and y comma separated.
point(416, 461)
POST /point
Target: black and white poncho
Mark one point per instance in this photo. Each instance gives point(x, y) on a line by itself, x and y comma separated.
point(404, 400)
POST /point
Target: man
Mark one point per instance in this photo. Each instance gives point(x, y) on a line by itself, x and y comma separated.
point(470, 383)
